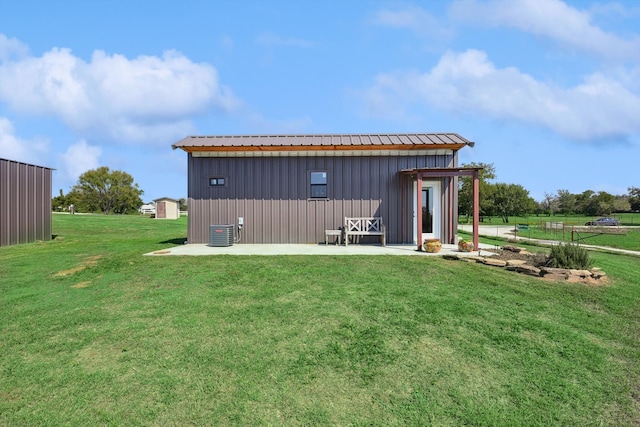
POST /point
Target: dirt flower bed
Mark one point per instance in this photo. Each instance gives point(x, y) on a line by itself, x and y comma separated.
point(520, 260)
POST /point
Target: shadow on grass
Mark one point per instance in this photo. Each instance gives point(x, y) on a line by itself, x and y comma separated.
point(176, 241)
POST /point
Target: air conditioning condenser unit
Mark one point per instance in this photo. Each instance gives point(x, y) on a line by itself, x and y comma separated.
point(221, 235)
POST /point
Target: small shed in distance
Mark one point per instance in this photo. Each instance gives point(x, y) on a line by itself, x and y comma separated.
point(25, 203)
point(167, 208)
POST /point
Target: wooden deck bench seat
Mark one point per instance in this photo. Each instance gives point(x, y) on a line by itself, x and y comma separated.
point(368, 226)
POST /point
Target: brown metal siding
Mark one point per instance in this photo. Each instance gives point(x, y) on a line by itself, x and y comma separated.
point(25, 203)
point(271, 194)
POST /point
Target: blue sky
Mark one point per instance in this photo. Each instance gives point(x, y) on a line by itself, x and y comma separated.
point(548, 90)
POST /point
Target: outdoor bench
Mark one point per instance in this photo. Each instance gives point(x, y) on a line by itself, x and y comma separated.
point(369, 226)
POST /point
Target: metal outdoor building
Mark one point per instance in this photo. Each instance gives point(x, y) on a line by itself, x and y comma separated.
point(25, 203)
point(291, 188)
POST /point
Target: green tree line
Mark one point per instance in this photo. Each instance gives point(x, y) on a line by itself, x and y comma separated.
point(506, 200)
point(590, 203)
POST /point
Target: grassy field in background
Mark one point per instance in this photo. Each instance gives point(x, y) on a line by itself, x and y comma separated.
point(627, 236)
point(94, 333)
point(630, 239)
point(628, 219)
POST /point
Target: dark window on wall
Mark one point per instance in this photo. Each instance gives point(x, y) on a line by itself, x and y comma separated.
point(218, 182)
point(319, 185)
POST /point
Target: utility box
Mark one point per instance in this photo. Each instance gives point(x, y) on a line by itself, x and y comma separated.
point(221, 235)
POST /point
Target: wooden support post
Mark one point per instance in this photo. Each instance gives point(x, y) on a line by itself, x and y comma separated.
point(419, 208)
point(476, 209)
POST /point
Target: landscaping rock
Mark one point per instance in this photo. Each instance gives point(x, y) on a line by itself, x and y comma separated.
point(552, 270)
point(495, 262)
point(555, 276)
point(525, 269)
point(580, 273)
point(516, 259)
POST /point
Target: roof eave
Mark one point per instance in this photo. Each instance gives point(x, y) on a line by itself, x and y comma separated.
point(332, 148)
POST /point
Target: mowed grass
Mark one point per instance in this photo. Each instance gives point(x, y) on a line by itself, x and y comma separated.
point(625, 218)
point(613, 238)
point(627, 236)
point(94, 333)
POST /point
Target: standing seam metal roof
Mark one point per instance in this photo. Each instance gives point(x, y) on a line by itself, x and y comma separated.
point(340, 140)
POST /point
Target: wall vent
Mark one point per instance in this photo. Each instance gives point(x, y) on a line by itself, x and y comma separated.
point(221, 235)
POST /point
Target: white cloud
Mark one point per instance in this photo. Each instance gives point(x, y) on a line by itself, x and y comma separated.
point(415, 19)
point(11, 48)
point(79, 158)
point(138, 100)
point(32, 151)
point(552, 19)
point(468, 83)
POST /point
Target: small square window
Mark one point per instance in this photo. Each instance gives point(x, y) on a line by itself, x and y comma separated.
point(319, 183)
point(217, 182)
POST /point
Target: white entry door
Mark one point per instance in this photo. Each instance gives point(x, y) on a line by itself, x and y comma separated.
point(430, 227)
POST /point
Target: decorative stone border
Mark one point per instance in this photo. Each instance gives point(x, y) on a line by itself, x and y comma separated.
point(521, 266)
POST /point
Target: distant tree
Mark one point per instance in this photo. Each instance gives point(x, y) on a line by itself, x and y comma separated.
point(549, 205)
point(585, 204)
point(183, 204)
point(566, 202)
point(102, 190)
point(465, 193)
point(59, 202)
point(511, 200)
point(540, 208)
point(621, 204)
point(601, 203)
point(634, 198)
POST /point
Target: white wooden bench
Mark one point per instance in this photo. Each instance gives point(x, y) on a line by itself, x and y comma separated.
point(371, 226)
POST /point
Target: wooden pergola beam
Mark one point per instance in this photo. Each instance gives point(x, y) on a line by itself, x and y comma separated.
point(421, 173)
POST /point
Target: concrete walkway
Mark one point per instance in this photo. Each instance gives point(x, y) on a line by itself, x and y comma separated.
point(309, 249)
point(507, 232)
point(501, 231)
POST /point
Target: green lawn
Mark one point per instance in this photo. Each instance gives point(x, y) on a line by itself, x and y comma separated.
point(626, 219)
point(628, 239)
point(93, 333)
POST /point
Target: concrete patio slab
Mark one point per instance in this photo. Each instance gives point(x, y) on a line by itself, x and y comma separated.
point(308, 249)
